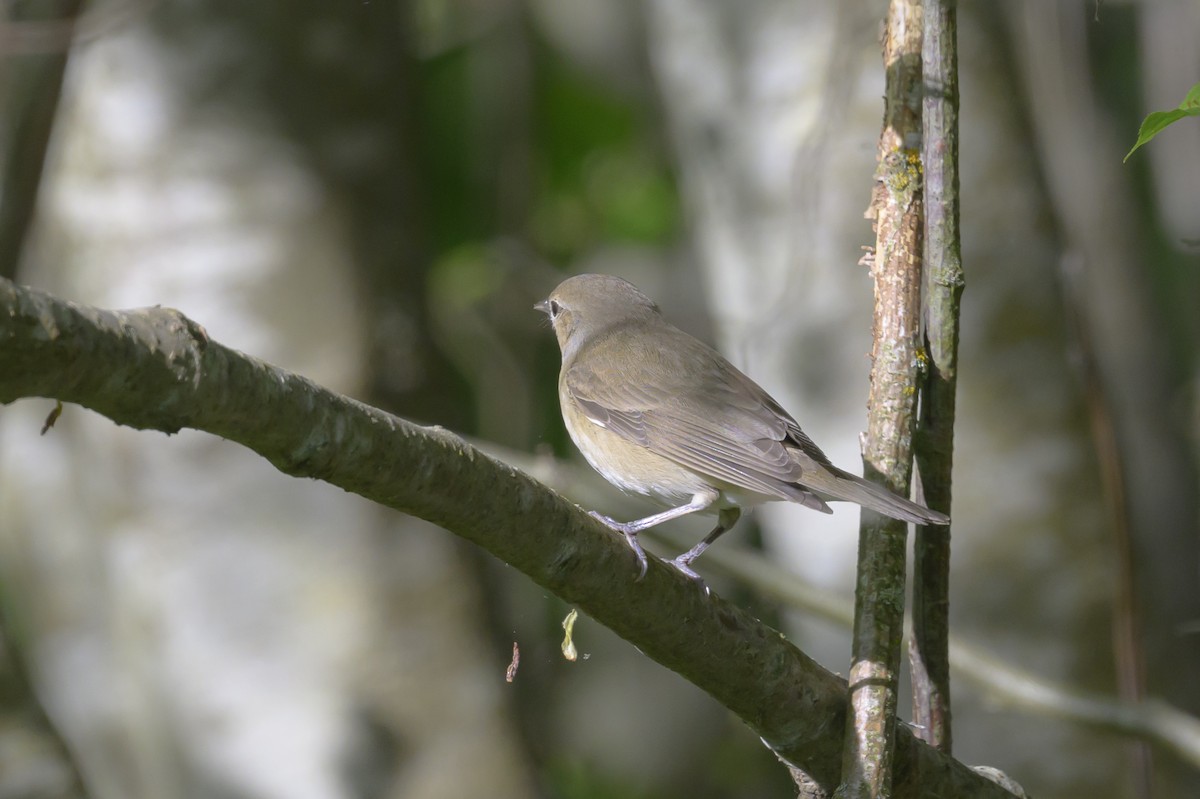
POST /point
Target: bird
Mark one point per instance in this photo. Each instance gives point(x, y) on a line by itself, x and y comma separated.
point(658, 412)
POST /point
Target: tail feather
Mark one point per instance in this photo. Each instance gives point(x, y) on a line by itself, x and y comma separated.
point(840, 485)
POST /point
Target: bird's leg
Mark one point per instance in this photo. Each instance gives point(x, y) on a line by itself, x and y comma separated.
point(700, 501)
point(630, 534)
point(725, 520)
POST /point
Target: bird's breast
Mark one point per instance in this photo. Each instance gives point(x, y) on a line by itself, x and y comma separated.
point(626, 464)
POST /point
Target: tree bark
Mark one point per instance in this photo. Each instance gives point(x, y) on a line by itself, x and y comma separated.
point(943, 287)
point(896, 208)
point(156, 369)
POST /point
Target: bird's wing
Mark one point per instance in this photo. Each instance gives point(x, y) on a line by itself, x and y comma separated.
point(727, 428)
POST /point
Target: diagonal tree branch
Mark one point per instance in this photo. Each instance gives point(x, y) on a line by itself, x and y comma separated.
point(156, 369)
point(1003, 683)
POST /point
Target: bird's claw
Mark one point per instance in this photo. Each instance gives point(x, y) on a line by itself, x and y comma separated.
point(630, 538)
point(607, 520)
point(635, 545)
point(683, 564)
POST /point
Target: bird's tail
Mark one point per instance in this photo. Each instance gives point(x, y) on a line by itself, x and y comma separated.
point(839, 485)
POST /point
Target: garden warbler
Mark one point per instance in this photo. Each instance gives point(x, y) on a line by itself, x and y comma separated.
point(659, 412)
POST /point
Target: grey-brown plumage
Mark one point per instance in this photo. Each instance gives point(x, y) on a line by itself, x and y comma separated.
point(659, 412)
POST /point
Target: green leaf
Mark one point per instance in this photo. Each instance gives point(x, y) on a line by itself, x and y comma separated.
point(1155, 122)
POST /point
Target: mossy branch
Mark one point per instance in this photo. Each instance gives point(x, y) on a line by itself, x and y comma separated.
point(896, 209)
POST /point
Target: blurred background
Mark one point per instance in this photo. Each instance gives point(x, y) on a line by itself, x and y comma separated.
point(374, 193)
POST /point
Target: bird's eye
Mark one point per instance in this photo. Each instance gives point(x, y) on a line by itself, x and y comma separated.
point(555, 308)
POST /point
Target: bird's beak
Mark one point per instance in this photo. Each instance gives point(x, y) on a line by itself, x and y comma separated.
point(543, 306)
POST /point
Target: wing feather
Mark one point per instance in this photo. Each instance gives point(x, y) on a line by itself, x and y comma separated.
point(688, 404)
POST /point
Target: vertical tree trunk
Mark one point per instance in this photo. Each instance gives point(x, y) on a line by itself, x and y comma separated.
point(943, 286)
point(896, 208)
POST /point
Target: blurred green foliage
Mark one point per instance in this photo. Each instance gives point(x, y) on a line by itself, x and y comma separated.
point(572, 778)
point(598, 176)
point(596, 171)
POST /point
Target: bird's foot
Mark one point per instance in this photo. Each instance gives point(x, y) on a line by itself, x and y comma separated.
point(608, 520)
point(684, 564)
point(684, 561)
point(630, 532)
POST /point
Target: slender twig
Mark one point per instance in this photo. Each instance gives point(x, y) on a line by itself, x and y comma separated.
point(887, 446)
point(1133, 352)
point(25, 708)
point(943, 285)
point(23, 33)
point(32, 85)
point(1126, 623)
